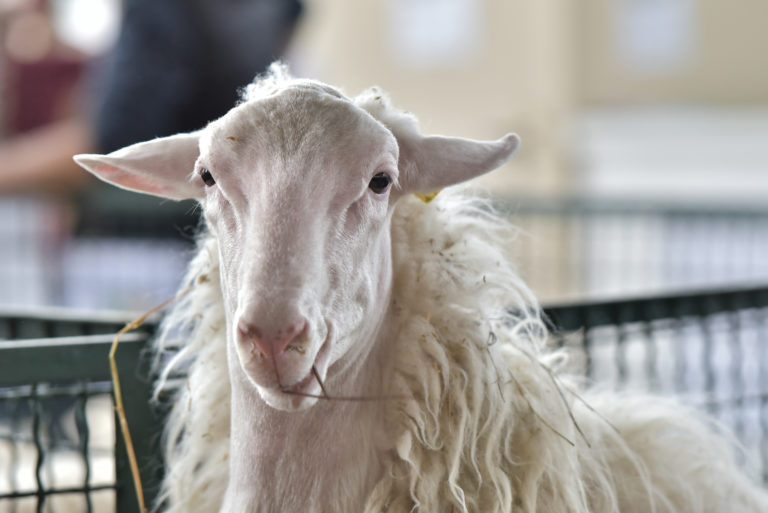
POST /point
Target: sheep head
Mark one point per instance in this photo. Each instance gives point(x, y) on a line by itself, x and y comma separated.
point(298, 183)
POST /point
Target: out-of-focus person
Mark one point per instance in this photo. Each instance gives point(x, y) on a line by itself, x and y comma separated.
point(39, 80)
point(176, 65)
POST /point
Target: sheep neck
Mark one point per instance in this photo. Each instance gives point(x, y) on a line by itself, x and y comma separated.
point(325, 458)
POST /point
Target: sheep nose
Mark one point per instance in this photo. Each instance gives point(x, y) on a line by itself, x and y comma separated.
point(273, 341)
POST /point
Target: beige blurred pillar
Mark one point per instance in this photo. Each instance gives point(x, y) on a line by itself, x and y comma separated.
point(719, 57)
point(505, 65)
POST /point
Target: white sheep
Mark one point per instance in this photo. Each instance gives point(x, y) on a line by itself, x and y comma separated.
point(351, 348)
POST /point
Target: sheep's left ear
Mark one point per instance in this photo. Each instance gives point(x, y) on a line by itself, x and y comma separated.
point(161, 167)
point(429, 163)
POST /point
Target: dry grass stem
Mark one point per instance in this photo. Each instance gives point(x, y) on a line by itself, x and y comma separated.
point(119, 408)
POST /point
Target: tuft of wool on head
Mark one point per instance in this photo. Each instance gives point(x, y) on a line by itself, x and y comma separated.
point(276, 79)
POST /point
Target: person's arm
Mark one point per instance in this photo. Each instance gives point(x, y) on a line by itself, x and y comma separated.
point(41, 160)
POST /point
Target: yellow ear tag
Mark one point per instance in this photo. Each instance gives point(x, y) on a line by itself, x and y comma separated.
point(426, 198)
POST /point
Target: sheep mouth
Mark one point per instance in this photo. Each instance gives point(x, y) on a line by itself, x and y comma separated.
point(302, 387)
point(315, 375)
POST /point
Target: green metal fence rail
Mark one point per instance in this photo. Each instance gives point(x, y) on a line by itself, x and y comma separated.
point(589, 314)
point(51, 390)
point(47, 322)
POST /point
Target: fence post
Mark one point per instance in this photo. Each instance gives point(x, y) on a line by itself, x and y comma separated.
point(136, 384)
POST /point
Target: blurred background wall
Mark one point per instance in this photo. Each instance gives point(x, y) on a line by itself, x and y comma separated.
point(681, 51)
point(644, 164)
point(477, 68)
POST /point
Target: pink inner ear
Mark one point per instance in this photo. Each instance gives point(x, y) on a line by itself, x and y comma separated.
point(130, 180)
point(106, 168)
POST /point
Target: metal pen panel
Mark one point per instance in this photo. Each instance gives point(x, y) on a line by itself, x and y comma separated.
point(51, 392)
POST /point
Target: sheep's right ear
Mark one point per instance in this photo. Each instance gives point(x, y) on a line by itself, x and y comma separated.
point(430, 162)
point(161, 167)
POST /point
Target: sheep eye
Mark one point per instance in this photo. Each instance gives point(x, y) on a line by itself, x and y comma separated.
point(207, 177)
point(380, 183)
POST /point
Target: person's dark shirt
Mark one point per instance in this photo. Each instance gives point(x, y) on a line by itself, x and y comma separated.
point(179, 64)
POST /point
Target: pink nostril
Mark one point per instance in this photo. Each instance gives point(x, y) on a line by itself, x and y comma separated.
point(275, 341)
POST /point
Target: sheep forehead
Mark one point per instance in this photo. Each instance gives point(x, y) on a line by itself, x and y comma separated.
point(297, 132)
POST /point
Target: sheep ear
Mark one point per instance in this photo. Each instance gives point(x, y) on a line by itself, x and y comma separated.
point(429, 163)
point(161, 167)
